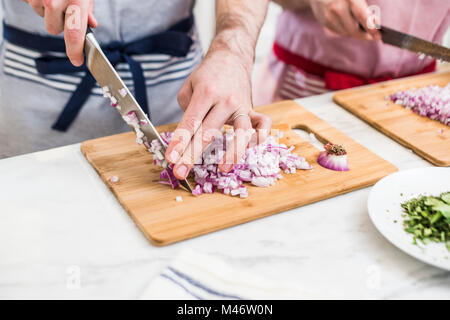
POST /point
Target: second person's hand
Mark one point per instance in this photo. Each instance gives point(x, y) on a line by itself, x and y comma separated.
point(344, 17)
point(70, 16)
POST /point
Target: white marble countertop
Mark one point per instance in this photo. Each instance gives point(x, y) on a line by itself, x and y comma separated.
point(58, 219)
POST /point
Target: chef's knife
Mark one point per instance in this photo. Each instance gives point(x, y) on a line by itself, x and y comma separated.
point(106, 76)
point(411, 43)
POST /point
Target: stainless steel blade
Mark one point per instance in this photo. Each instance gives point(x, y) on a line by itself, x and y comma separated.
point(105, 74)
point(411, 43)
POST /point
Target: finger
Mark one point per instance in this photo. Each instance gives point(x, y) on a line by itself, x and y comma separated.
point(217, 117)
point(360, 10)
point(333, 23)
point(190, 122)
point(243, 132)
point(331, 33)
point(75, 25)
point(335, 9)
point(37, 7)
point(339, 26)
point(185, 94)
point(351, 25)
point(92, 21)
point(205, 135)
point(262, 124)
point(54, 16)
point(335, 28)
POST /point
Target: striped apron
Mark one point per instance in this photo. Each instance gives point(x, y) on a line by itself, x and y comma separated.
point(46, 102)
point(304, 77)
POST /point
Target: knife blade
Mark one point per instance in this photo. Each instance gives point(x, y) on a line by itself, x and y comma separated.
point(105, 74)
point(411, 43)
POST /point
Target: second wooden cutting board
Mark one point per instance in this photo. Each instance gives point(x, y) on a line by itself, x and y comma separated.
point(163, 220)
point(428, 138)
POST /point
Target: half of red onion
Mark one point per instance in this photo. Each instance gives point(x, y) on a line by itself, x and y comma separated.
point(334, 158)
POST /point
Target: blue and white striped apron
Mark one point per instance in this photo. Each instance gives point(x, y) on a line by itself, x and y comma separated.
point(34, 93)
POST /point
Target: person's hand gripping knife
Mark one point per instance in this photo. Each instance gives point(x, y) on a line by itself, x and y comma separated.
point(218, 92)
point(351, 18)
point(70, 16)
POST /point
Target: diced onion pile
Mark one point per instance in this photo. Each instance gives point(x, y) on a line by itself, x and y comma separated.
point(261, 166)
point(431, 101)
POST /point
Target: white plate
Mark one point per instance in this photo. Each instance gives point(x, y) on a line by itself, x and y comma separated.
point(384, 208)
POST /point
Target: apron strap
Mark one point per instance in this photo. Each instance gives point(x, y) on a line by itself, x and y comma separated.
point(174, 42)
point(334, 79)
point(76, 101)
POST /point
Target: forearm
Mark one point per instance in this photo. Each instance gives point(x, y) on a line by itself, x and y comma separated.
point(238, 23)
point(293, 4)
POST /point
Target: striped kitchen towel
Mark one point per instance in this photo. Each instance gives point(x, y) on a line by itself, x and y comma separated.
point(195, 276)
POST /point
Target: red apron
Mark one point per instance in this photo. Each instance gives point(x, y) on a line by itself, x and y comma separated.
point(334, 79)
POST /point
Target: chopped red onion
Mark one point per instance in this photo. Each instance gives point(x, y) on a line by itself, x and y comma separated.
point(139, 133)
point(235, 192)
point(123, 92)
point(208, 187)
point(167, 177)
point(106, 92)
point(243, 193)
point(262, 182)
point(113, 101)
point(132, 119)
point(261, 165)
point(431, 101)
point(197, 190)
point(114, 179)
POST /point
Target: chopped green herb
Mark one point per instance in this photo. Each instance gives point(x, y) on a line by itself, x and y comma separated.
point(427, 218)
point(446, 197)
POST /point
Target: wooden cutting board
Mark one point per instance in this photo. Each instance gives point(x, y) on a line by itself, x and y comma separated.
point(163, 220)
point(428, 138)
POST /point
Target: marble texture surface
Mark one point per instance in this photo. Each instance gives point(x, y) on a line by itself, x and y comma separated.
point(64, 235)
